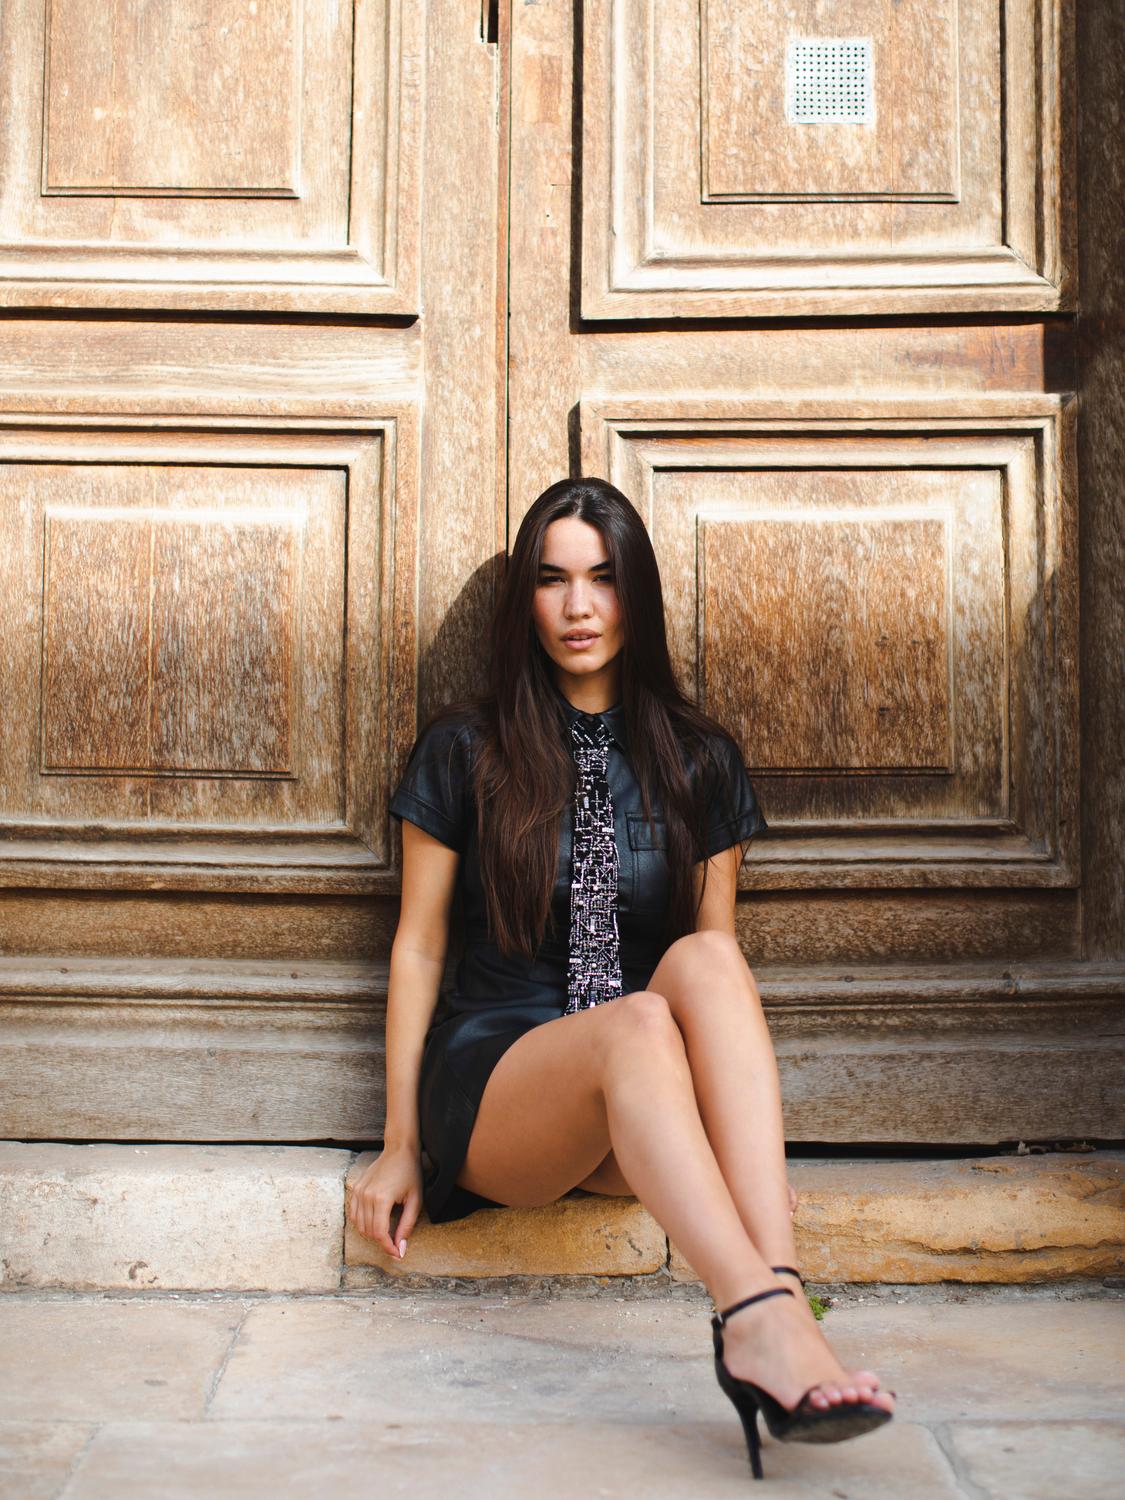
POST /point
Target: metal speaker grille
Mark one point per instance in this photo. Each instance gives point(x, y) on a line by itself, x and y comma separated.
point(828, 81)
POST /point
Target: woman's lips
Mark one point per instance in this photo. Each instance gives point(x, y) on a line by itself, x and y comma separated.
point(581, 643)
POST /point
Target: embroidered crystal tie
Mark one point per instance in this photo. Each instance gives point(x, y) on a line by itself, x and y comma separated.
point(594, 968)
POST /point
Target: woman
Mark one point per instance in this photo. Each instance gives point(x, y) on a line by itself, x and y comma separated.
point(604, 1030)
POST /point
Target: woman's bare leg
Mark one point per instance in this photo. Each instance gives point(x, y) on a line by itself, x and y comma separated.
point(715, 1002)
point(616, 1077)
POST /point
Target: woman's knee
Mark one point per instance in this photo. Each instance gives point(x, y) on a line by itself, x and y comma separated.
point(642, 1026)
point(712, 948)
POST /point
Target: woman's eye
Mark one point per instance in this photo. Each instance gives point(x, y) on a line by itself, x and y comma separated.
point(601, 578)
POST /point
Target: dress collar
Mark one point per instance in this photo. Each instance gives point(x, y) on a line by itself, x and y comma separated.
point(613, 718)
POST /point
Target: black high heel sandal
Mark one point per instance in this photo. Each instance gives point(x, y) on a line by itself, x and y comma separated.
point(802, 1423)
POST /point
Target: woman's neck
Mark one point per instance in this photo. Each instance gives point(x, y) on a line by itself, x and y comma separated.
point(590, 692)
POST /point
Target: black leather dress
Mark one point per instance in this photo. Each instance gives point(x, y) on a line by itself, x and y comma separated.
point(494, 999)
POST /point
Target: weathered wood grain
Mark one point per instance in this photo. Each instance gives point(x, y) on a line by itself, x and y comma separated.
point(953, 197)
point(463, 521)
point(1101, 464)
point(263, 646)
point(211, 154)
point(909, 151)
point(168, 925)
point(209, 366)
point(202, 96)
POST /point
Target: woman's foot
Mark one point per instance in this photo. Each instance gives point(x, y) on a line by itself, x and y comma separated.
point(865, 1382)
point(779, 1346)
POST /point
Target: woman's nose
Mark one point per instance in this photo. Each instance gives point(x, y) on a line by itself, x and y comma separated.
point(578, 600)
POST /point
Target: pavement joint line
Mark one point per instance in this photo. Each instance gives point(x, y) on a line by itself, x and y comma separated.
point(78, 1460)
point(943, 1436)
point(214, 1382)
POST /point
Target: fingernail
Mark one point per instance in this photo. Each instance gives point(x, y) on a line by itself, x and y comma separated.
point(401, 1249)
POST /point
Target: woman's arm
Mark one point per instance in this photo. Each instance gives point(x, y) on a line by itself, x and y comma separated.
point(417, 957)
point(429, 874)
point(719, 893)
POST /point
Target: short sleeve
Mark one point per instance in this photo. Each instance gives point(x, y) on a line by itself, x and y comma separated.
point(434, 791)
point(733, 814)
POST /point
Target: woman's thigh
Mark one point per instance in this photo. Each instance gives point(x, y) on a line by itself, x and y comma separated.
point(541, 1127)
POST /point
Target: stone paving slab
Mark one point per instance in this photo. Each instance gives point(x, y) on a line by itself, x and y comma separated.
point(111, 1398)
point(249, 1460)
point(1028, 1461)
point(382, 1361)
point(37, 1457)
point(91, 1360)
point(1006, 1361)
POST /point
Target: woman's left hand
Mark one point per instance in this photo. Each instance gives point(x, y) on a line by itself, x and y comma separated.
point(792, 1200)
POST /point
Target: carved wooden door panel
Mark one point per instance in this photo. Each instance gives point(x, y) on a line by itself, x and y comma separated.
point(800, 279)
point(228, 546)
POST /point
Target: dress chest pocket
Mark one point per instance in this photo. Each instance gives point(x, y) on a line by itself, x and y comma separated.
point(648, 853)
point(641, 836)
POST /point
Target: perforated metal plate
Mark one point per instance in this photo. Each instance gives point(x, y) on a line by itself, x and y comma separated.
point(828, 81)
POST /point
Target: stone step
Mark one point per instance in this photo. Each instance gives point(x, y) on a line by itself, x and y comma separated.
point(272, 1218)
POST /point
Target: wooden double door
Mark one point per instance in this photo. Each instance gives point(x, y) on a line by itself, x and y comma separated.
point(305, 302)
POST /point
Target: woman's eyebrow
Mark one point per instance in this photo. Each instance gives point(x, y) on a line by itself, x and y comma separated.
point(552, 568)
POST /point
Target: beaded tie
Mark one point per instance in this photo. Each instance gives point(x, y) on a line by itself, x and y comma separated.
point(594, 968)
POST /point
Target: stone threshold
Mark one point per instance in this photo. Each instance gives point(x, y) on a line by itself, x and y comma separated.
point(273, 1218)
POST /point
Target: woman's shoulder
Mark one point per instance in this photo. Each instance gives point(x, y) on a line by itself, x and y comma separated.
point(436, 787)
point(722, 782)
point(449, 728)
point(709, 752)
point(456, 727)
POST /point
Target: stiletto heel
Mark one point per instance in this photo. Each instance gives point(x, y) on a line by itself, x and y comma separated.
point(802, 1423)
point(749, 1416)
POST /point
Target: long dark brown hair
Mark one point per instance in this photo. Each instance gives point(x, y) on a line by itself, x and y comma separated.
point(523, 773)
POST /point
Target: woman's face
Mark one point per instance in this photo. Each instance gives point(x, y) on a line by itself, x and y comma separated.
point(576, 597)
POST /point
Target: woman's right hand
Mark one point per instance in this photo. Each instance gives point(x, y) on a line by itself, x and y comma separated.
point(395, 1176)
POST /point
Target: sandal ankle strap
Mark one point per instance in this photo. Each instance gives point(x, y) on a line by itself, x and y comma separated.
point(792, 1271)
point(774, 1291)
